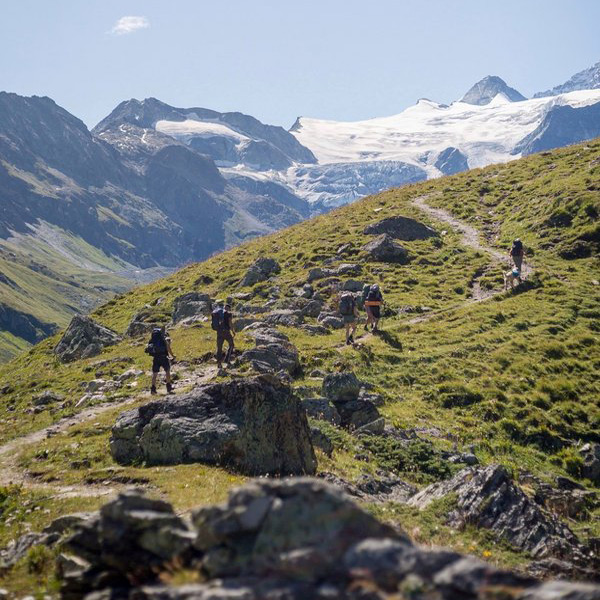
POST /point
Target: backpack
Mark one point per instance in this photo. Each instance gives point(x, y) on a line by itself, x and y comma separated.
point(218, 321)
point(517, 248)
point(374, 295)
point(347, 303)
point(157, 344)
point(365, 293)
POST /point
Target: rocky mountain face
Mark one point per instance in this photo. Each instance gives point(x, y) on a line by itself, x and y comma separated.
point(485, 90)
point(134, 198)
point(562, 125)
point(588, 79)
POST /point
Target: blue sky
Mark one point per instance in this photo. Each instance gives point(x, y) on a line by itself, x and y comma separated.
point(279, 59)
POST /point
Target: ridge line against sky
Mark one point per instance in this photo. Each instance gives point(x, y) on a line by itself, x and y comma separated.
point(334, 59)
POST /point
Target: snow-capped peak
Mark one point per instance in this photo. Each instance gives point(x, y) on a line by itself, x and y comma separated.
point(486, 89)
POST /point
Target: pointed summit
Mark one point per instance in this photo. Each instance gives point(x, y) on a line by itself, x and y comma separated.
point(485, 90)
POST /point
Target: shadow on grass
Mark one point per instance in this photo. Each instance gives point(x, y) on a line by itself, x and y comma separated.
point(389, 339)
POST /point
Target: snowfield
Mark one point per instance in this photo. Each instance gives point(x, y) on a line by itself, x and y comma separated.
point(484, 134)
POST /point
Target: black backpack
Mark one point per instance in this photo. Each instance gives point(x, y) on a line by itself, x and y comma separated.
point(218, 321)
point(347, 303)
point(374, 295)
point(157, 344)
point(517, 248)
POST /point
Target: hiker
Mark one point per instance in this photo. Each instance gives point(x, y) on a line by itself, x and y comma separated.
point(516, 253)
point(159, 348)
point(373, 304)
point(349, 312)
point(363, 298)
point(222, 323)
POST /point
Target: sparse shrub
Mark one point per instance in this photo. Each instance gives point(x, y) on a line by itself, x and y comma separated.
point(39, 560)
point(417, 457)
point(554, 351)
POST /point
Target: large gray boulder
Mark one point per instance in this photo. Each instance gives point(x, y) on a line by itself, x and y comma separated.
point(487, 497)
point(357, 414)
point(191, 305)
point(341, 386)
point(84, 338)
point(255, 426)
point(384, 249)
point(273, 351)
point(261, 270)
point(298, 528)
point(401, 228)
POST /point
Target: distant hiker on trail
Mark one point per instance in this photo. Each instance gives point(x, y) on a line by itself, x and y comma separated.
point(373, 305)
point(159, 348)
point(222, 323)
point(349, 313)
point(516, 253)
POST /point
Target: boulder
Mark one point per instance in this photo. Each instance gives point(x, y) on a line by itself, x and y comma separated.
point(84, 338)
point(487, 497)
point(273, 352)
point(353, 285)
point(384, 249)
point(330, 320)
point(130, 539)
point(298, 528)
point(341, 386)
point(261, 270)
point(321, 441)
point(137, 329)
point(315, 329)
point(191, 306)
point(343, 269)
point(255, 426)
point(47, 397)
point(591, 462)
point(287, 318)
point(322, 409)
point(356, 414)
point(401, 228)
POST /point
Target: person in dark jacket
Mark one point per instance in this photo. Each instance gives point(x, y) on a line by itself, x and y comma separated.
point(374, 302)
point(161, 358)
point(222, 323)
point(517, 253)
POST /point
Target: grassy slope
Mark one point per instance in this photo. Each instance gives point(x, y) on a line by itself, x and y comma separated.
point(514, 377)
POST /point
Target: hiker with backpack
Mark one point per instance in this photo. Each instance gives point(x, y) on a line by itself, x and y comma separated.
point(517, 253)
point(373, 305)
point(222, 323)
point(159, 348)
point(348, 310)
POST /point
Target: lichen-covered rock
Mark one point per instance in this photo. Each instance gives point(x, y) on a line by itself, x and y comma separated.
point(261, 270)
point(384, 249)
point(299, 528)
point(287, 318)
point(487, 497)
point(357, 414)
point(84, 338)
point(341, 386)
point(192, 305)
point(591, 462)
point(254, 426)
point(401, 228)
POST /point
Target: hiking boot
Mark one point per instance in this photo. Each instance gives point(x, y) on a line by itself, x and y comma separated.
point(153, 390)
point(169, 388)
point(351, 339)
point(366, 327)
point(348, 342)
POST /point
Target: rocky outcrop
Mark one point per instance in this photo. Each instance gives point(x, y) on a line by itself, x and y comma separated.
point(341, 386)
point(84, 338)
point(451, 161)
point(191, 306)
point(591, 462)
point(487, 497)
point(345, 269)
point(289, 539)
point(384, 249)
point(486, 89)
point(273, 352)
point(401, 228)
point(322, 409)
point(261, 270)
point(254, 426)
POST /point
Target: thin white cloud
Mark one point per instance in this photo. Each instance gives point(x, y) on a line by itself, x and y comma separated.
point(127, 25)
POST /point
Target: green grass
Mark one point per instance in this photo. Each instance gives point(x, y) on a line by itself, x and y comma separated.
point(514, 377)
